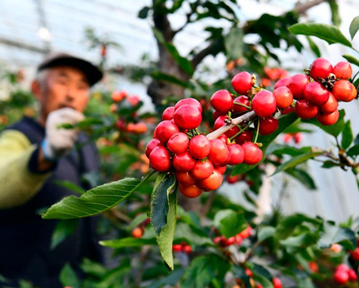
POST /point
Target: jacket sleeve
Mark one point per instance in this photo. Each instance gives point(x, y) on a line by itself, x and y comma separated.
point(18, 182)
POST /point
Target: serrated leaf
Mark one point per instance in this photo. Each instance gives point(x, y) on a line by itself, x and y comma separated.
point(333, 234)
point(303, 177)
point(63, 229)
point(354, 26)
point(313, 46)
point(347, 135)
point(351, 59)
point(128, 242)
point(233, 43)
point(68, 277)
point(265, 232)
point(328, 33)
point(353, 151)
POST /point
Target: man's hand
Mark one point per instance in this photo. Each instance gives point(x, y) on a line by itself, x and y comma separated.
point(59, 141)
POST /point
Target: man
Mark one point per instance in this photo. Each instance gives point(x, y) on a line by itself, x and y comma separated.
point(34, 154)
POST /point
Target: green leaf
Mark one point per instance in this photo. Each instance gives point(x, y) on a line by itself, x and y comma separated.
point(165, 239)
point(94, 201)
point(299, 242)
point(329, 33)
point(351, 59)
point(335, 12)
point(68, 277)
point(160, 200)
point(128, 242)
point(70, 185)
point(265, 232)
point(333, 234)
point(353, 151)
point(191, 235)
point(232, 224)
point(280, 149)
point(233, 43)
point(168, 78)
point(240, 273)
point(354, 26)
point(303, 177)
point(287, 224)
point(63, 229)
point(171, 280)
point(262, 275)
point(313, 46)
point(347, 135)
point(93, 268)
point(356, 140)
point(143, 12)
point(137, 221)
point(329, 164)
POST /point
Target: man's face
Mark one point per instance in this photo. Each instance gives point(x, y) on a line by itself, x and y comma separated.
point(62, 87)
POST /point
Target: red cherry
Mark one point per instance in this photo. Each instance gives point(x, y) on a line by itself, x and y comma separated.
point(343, 267)
point(223, 138)
point(352, 275)
point(189, 101)
point(282, 82)
point(252, 154)
point(168, 113)
point(177, 248)
point(231, 132)
point(185, 178)
point(231, 241)
point(298, 138)
point(178, 143)
point(246, 232)
point(277, 283)
point(187, 249)
point(264, 104)
point(152, 145)
point(217, 240)
point(239, 239)
point(191, 191)
point(241, 100)
point(245, 136)
point(287, 110)
point(242, 82)
point(343, 70)
point(355, 254)
point(268, 125)
point(219, 122)
point(199, 146)
point(248, 272)
point(236, 154)
point(315, 94)
point(305, 110)
point(222, 101)
point(202, 170)
point(341, 277)
point(165, 130)
point(213, 182)
point(218, 153)
point(216, 114)
point(183, 162)
point(330, 106)
point(137, 232)
point(221, 169)
point(343, 90)
point(187, 117)
point(233, 179)
point(320, 68)
point(283, 97)
point(259, 285)
point(328, 119)
point(160, 159)
point(297, 85)
point(313, 266)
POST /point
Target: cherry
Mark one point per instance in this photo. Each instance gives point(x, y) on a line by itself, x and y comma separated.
point(231, 241)
point(330, 106)
point(160, 159)
point(223, 138)
point(216, 114)
point(137, 232)
point(264, 103)
point(242, 82)
point(199, 146)
point(165, 130)
point(187, 116)
point(168, 113)
point(219, 122)
point(320, 68)
point(328, 119)
point(183, 162)
point(315, 94)
point(281, 82)
point(218, 153)
point(177, 248)
point(352, 275)
point(246, 232)
point(117, 96)
point(343, 70)
point(298, 138)
point(233, 179)
point(178, 143)
point(213, 182)
point(341, 277)
point(287, 110)
point(313, 266)
point(187, 249)
point(252, 154)
point(217, 240)
point(305, 110)
point(343, 90)
point(283, 97)
point(277, 283)
point(245, 136)
point(185, 178)
point(152, 145)
point(239, 239)
point(259, 285)
point(189, 101)
point(202, 170)
point(268, 125)
point(241, 100)
point(222, 101)
point(231, 132)
point(248, 272)
point(191, 191)
point(221, 169)
point(297, 84)
point(236, 154)
point(343, 267)
point(355, 254)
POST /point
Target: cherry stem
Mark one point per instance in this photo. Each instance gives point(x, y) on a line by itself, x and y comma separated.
point(240, 131)
point(240, 104)
point(257, 131)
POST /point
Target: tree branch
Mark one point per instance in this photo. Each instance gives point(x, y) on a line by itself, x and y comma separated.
point(301, 8)
point(197, 58)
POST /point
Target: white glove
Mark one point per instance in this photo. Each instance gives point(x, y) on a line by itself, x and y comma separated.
point(59, 141)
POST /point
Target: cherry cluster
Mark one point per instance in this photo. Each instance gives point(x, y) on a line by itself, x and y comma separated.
point(182, 247)
point(277, 283)
point(343, 274)
point(222, 241)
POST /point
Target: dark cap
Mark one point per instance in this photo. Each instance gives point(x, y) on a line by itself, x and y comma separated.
point(55, 59)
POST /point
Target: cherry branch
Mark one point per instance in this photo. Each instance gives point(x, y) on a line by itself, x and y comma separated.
point(235, 121)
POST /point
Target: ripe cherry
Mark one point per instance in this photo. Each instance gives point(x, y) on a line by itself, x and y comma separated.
point(185, 178)
point(199, 146)
point(341, 277)
point(287, 110)
point(282, 82)
point(231, 241)
point(343, 267)
point(178, 143)
point(117, 96)
point(283, 97)
point(297, 84)
point(245, 136)
point(315, 94)
point(221, 169)
point(152, 145)
point(216, 114)
point(246, 232)
point(183, 162)
point(239, 239)
point(137, 232)
point(277, 283)
point(177, 248)
point(305, 110)
point(268, 125)
point(213, 182)
point(236, 154)
point(219, 122)
point(218, 153)
point(165, 130)
point(187, 117)
point(328, 119)
point(222, 101)
point(264, 103)
point(192, 191)
point(160, 159)
point(343, 90)
point(231, 132)
point(248, 272)
point(330, 106)
point(168, 113)
point(313, 266)
point(187, 249)
point(223, 138)
point(355, 254)
point(202, 170)
point(352, 275)
point(252, 154)
point(233, 179)
point(241, 100)
point(320, 68)
point(343, 70)
point(242, 82)
point(189, 101)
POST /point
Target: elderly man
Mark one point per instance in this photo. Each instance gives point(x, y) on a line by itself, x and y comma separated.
point(34, 154)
